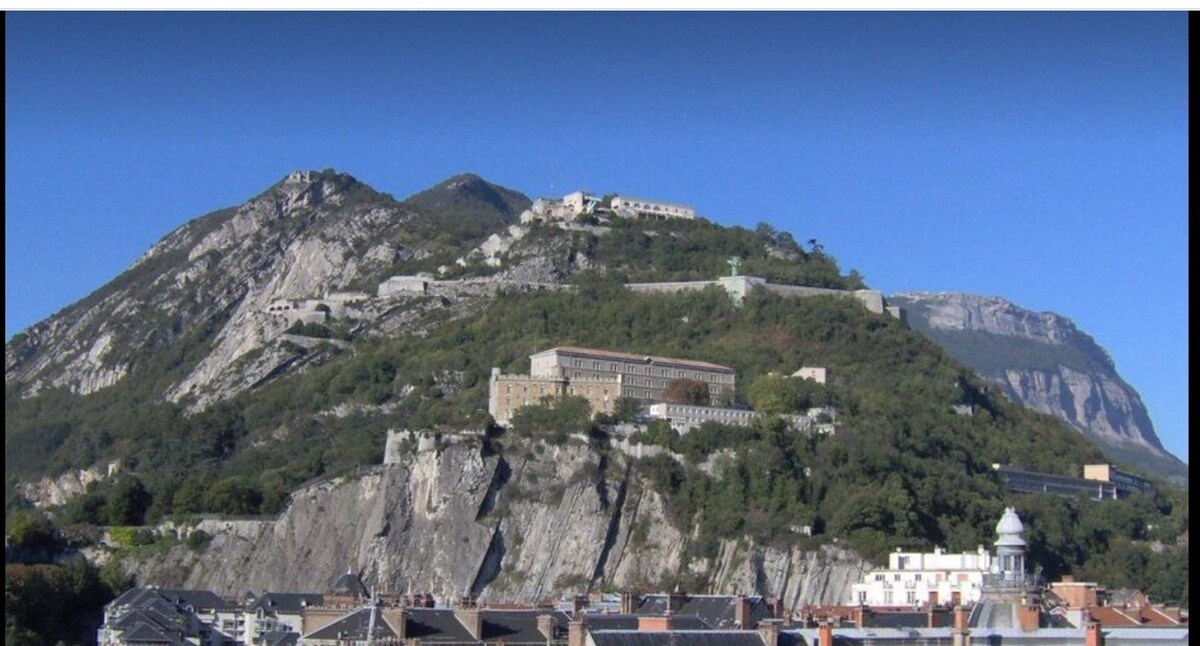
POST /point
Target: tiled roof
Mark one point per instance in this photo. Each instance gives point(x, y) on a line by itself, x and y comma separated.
point(436, 625)
point(289, 602)
point(354, 627)
point(677, 638)
point(519, 626)
point(628, 356)
point(718, 611)
point(198, 599)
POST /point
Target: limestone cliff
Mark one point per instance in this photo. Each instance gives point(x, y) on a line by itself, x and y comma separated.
point(209, 284)
point(447, 519)
point(1045, 362)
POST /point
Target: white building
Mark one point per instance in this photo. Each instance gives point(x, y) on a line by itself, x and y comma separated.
point(922, 578)
point(684, 418)
point(634, 206)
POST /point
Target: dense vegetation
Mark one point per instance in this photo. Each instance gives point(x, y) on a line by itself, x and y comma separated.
point(671, 250)
point(50, 596)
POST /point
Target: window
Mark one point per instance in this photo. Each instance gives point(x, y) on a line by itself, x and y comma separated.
point(879, 577)
point(918, 577)
point(895, 577)
point(887, 598)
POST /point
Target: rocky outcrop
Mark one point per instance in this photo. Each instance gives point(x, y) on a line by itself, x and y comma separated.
point(49, 492)
point(447, 519)
point(209, 285)
point(1044, 361)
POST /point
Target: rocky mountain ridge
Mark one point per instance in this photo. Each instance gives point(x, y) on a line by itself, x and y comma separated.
point(309, 234)
point(1043, 360)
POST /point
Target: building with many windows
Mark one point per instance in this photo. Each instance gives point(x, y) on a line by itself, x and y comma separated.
point(600, 376)
point(925, 579)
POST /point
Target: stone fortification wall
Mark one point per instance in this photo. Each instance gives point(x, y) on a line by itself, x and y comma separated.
point(739, 286)
point(670, 288)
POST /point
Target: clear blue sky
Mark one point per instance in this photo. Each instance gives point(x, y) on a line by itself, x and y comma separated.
point(1041, 157)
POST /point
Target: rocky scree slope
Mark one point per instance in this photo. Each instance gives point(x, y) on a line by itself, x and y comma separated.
point(1045, 362)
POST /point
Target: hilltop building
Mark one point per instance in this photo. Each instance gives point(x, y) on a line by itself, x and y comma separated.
point(600, 376)
point(635, 206)
point(573, 205)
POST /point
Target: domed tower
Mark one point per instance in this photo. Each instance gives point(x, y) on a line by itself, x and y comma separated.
point(1009, 598)
point(1010, 549)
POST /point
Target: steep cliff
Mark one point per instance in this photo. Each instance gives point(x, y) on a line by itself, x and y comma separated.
point(448, 520)
point(1045, 362)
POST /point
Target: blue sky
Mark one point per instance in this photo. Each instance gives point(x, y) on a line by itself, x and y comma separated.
point(1040, 156)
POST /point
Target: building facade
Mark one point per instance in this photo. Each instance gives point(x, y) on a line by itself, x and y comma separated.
point(684, 418)
point(1123, 482)
point(600, 377)
point(925, 579)
point(644, 377)
point(636, 206)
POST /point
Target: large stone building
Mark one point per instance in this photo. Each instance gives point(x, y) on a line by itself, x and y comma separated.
point(600, 376)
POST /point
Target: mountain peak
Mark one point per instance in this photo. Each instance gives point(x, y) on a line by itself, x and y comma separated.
point(470, 195)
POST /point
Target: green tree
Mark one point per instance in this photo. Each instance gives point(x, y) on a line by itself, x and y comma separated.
point(128, 502)
point(691, 392)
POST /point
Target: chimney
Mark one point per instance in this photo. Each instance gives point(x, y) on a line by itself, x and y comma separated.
point(1092, 635)
point(676, 599)
point(578, 603)
point(577, 632)
point(654, 623)
point(741, 611)
point(1029, 617)
point(776, 606)
point(862, 616)
point(397, 618)
point(825, 634)
point(962, 632)
point(628, 602)
point(769, 630)
point(545, 624)
point(468, 614)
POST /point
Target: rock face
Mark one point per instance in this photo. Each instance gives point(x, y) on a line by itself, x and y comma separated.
point(1045, 362)
point(211, 282)
point(448, 520)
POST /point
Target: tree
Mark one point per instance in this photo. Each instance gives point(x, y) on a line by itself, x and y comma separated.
point(774, 395)
point(128, 503)
point(686, 391)
point(626, 409)
point(554, 419)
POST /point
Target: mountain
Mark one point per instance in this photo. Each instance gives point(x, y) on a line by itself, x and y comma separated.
point(260, 360)
point(205, 289)
point(1041, 359)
